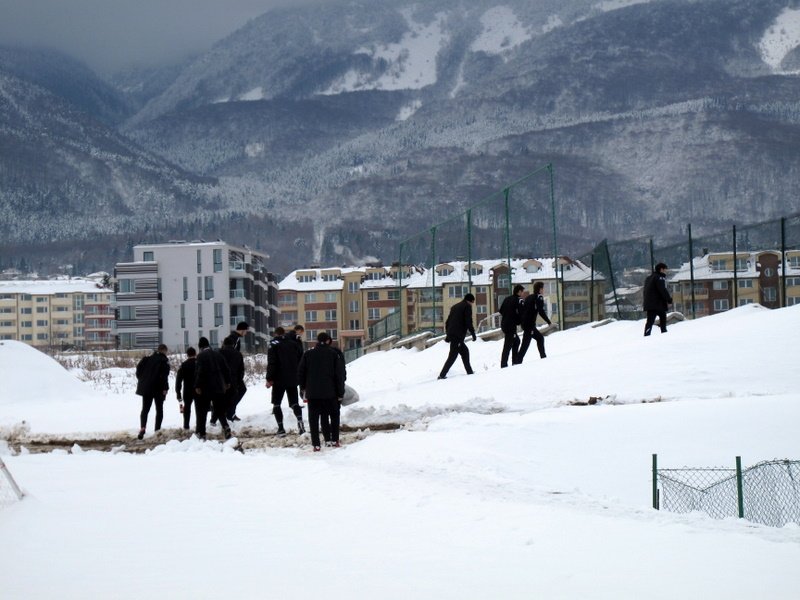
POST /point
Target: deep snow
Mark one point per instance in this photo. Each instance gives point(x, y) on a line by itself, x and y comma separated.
point(498, 488)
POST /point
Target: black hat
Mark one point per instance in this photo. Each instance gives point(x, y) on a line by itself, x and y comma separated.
point(203, 343)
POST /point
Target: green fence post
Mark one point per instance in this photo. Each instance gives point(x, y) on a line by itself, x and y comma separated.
point(433, 276)
point(783, 262)
point(400, 301)
point(591, 289)
point(739, 487)
point(652, 257)
point(508, 237)
point(735, 273)
point(691, 268)
point(550, 170)
point(611, 275)
point(655, 481)
point(469, 247)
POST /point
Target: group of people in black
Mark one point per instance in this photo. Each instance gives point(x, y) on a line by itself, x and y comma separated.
point(520, 308)
point(214, 381)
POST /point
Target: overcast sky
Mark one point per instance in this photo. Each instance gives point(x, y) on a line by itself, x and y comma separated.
point(109, 35)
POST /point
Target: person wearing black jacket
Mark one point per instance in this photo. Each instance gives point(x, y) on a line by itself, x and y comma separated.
point(533, 307)
point(320, 375)
point(459, 322)
point(283, 358)
point(235, 362)
point(212, 379)
point(152, 376)
point(510, 317)
point(656, 299)
point(184, 384)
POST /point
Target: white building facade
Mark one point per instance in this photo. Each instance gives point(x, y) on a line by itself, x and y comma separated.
point(177, 292)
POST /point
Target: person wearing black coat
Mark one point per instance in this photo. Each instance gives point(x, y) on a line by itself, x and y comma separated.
point(235, 362)
point(152, 376)
point(656, 299)
point(510, 317)
point(459, 322)
point(320, 375)
point(283, 358)
point(212, 379)
point(533, 307)
point(184, 385)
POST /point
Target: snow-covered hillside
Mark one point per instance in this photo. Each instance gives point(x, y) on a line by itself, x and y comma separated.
point(497, 487)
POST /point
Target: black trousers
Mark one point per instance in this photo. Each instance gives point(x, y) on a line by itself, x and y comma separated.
point(651, 319)
point(234, 396)
point(187, 410)
point(219, 408)
point(510, 344)
point(278, 390)
point(326, 410)
point(457, 348)
point(201, 406)
point(147, 402)
point(526, 342)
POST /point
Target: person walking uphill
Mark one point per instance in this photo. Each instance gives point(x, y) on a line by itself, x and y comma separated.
point(531, 308)
point(321, 378)
point(459, 322)
point(511, 316)
point(656, 299)
point(212, 380)
point(184, 384)
point(283, 358)
point(152, 376)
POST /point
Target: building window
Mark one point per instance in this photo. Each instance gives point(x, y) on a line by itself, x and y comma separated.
point(330, 277)
point(720, 285)
point(287, 300)
point(353, 286)
point(428, 314)
point(503, 281)
point(41, 323)
point(217, 314)
point(213, 337)
point(185, 288)
point(393, 294)
point(77, 332)
point(26, 310)
point(745, 283)
point(199, 288)
point(792, 281)
point(311, 297)
point(373, 296)
point(745, 301)
point(183, 316)
point(209, 287)
point(355, 324)
point(373, 314)
point(481, 309)
point(475, 271)
point(41, 309)
point(720, 305)
point(311, 316)
point(770, 294)
point(148, 256)
point(457, 291)
point(742, 264)
point(353, 306)
point(719, 264)
point(41, 336)
point(199, 263)
point(481, 289)
point(217, 260)
point(792, 300)
point(186, 338)
point(769, 272)
point(330, 315)
point(6, 323)
point(330, 296)
point(41, 299)
point(77, 302)
point(375, 275)
point(127, 286)
point(307, 278)
point(577, 309)
point(199, 315)
point(794, 261)
point(127, 313)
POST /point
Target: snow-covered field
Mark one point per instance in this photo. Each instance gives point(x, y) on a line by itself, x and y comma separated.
point(497, 488)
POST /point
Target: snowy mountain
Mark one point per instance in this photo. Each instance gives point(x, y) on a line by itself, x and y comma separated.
point(361, 123)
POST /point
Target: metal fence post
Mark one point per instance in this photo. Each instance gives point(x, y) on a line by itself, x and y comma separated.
point(783, 262)
point(655, 481)
point(508, 238)
point(691, 269)
point(739, 487)
point(735, 273)
point(591, 289)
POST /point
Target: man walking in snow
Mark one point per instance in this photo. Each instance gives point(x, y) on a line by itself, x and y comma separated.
point(510, 317)
point(235, 363)
point(532, 307)
point(184, 384)
point(212, 379)
point(283, 358)
point(321, 378)
point(656, 299)
point(459, 322)
point(152, 376)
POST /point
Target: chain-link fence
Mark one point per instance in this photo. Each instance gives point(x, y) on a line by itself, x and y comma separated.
point(767, 493)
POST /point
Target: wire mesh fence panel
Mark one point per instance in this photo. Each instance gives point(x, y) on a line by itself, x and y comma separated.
point(487, 221)
point(712, 491)
point(770, 492)
point(532, 229)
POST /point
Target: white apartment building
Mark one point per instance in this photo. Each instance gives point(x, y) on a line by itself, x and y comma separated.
point(177, 292)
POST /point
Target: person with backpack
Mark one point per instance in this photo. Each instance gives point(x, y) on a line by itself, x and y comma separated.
point(656, 299)
point(184, 385)
point(152, 377)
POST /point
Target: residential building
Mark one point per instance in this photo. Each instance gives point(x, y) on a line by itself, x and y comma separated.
point(58, 313)
point(177, 292)
point(357, 305)
point(723, 281)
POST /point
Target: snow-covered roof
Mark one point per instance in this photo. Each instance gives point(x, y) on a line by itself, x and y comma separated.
point(52, 286)
point(704, 270)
